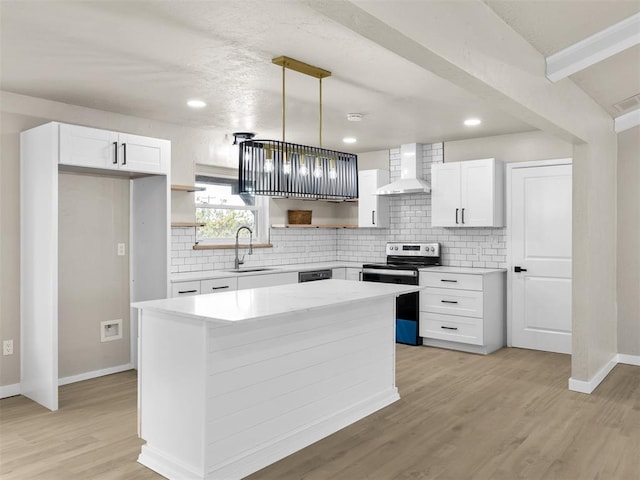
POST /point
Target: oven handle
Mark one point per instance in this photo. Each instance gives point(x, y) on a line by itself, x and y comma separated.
point(386, 271)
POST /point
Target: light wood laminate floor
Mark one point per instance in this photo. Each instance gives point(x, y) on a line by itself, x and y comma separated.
point(508, 415)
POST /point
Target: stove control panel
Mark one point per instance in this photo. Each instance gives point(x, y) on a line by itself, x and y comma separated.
point(414, 249)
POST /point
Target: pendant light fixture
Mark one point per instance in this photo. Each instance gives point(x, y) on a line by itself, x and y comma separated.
point(278, 168)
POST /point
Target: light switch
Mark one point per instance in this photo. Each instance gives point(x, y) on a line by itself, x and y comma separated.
point(121, 250)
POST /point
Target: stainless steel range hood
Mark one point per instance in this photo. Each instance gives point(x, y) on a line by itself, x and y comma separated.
point(410, 166)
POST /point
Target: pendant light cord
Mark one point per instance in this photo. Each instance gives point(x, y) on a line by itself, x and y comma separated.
point(320, 112)
point(283, 104)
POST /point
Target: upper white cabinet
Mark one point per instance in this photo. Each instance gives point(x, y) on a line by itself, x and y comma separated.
point(95, 148)
point(467, 194)
point(373, 210)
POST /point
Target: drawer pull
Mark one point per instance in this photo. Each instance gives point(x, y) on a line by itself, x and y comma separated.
point(219, 288)
point(187, 291)
point(445, 280)
point(448, 301)
point(449, 328)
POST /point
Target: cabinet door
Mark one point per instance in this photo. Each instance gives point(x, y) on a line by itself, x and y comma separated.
point(217, 285)
point(143, 154)
point(373, 210)
point(185, 289)
point(354, 274)
point(88, 147)
point(477, 195)
point(339, 273)
point(270, 280)
point(445, 194)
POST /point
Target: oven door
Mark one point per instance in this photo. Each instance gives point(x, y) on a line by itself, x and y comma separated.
point(407, 305)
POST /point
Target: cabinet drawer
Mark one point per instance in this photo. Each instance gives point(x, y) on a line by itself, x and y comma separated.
point(451, 327)
point(183, 289)
point(459, 281)
point(218, 285)
point(467, 303)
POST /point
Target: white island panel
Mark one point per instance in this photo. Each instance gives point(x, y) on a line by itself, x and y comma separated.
point(260, 389)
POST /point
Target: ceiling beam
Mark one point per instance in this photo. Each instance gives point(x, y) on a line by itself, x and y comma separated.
point(593, 49)
point(627, 121)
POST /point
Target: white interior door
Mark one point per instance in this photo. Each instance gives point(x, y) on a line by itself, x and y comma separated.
point(539, 213)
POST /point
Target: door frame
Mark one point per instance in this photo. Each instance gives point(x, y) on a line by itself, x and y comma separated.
point(508, 233)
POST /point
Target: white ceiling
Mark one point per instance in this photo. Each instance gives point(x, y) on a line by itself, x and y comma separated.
point(147, 58)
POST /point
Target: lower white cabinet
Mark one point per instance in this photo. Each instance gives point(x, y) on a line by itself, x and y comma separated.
point(463, 311)
point(228, 284)
point(184, 289)
point(353, 274)
point(269, 280)
point(339, 273)
point(215, 285)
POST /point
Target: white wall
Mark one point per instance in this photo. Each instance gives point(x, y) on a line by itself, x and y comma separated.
point(629, 242)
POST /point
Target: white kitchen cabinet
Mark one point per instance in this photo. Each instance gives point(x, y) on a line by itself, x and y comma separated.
point(45, 151)
point(354, 274)
point(267, 280)
point(339, 273)
point(467, 194)
point(217, 285)
point(103, 149)
point(373, 210)
point(185, 289)
point(463, 311)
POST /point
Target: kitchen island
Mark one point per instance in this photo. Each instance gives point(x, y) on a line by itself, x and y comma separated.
point(229, 383)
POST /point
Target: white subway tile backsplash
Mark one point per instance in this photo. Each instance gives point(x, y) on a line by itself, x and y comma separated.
point(410, 221)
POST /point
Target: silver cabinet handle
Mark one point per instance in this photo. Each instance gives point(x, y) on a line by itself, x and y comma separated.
point(451, 281)
point(462, 215)
point(449, 328)
point(124, 154)
point(115, 153)
point(219, 288)
point(180, 292)
point(448, 301)
point(373, 217)
point(457, 209)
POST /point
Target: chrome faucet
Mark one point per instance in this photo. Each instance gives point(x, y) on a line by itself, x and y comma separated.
point(239, 261)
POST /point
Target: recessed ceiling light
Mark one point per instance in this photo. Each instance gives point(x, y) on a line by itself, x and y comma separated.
point(349, 140)
point(354, 117)
point(196, 104)
point(472, 122)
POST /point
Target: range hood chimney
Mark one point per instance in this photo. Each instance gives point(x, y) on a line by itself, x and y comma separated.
point(410, 164)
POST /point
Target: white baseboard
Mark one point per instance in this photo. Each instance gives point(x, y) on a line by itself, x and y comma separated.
point(9, 390)
point(13, 390)
point(590, 385)
point(629, 359)
point(95, 374)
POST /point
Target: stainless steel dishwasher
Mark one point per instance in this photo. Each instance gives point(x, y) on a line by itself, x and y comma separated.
point(313, 275)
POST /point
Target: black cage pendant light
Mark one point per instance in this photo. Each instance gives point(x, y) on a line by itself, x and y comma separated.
point(278, 168)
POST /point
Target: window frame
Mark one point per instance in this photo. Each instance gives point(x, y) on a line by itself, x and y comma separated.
point(261, 234)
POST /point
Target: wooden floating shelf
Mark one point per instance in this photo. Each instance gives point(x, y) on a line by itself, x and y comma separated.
point(187, 188)
point(290, 225)
point(187, 224)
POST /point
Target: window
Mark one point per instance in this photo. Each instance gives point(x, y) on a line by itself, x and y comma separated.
point(224, 211)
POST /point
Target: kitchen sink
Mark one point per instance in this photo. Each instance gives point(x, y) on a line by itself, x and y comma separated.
point(247, 270)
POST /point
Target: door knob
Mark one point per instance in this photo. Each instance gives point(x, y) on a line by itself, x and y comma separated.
point(519, 269)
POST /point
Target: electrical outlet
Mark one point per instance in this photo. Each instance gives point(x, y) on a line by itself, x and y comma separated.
point(7, 347)
point(121, 250)
point(478, 251)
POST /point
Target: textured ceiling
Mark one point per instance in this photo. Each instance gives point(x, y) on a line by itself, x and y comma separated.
point(147, 58)
point(550, 26)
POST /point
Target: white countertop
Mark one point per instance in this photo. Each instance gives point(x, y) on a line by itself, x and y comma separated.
point(297, 267)
point(464, 270)
point(260, 303)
